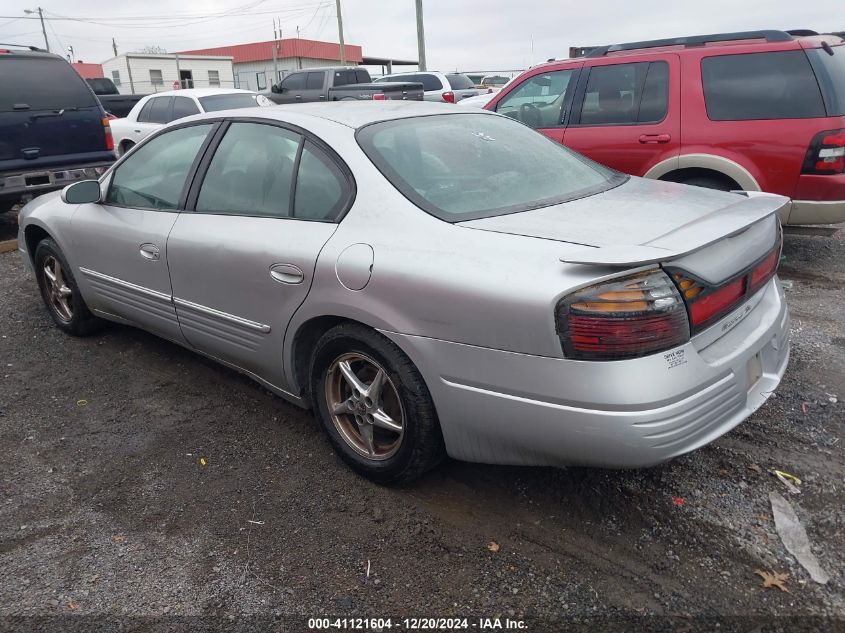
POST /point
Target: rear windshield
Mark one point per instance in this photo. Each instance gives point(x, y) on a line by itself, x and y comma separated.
point(830, 71)
point(32, 83)
point(776, 85)
point(228, 102)
point(102, 86)
point(460, 82)
point(466, 166)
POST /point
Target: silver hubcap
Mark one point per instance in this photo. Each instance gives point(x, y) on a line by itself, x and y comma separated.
point(58, 292)
point(365, 406)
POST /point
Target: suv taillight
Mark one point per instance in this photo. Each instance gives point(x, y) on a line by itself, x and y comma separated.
point(109, 137)
point(627, 317)
point(826, 154)
point(448, 97)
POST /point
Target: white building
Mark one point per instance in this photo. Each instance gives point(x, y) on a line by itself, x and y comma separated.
point(140, 73)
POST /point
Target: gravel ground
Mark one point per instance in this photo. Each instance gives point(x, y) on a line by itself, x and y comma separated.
point(106, 507)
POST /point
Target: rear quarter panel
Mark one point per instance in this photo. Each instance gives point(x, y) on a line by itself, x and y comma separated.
point(771, 151)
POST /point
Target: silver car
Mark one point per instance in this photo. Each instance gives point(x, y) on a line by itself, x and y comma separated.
point(440, 87)
point(430, 281)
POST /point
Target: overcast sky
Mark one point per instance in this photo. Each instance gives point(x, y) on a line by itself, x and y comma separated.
point(460, 34)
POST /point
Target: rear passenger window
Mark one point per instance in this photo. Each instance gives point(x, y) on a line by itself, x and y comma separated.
point(320, 187)
point(344, 77)
point(160, 110)
point(182, 107)
point(314, 81)
point(144, 114)
point(778, 85)
point(251, 172)
point(626, 94)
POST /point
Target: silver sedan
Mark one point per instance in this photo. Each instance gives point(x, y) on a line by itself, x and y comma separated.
point(431, 282)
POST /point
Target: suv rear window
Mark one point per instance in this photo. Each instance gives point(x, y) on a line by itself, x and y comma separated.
point(777, 85)
point(41, 83)
point(460, 82)
point(466, 166)
point(830, 71)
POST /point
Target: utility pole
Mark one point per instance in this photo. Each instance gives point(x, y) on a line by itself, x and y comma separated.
point(420, 36)
point(114, 46)
point(340, 34)
point(43, 30)
point(275, 63)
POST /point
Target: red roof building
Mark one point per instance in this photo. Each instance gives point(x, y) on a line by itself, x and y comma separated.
point(285, 49)
point(253, 64)
point(88, 71)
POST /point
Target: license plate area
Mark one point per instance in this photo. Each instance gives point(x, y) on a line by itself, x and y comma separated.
point(754, 370)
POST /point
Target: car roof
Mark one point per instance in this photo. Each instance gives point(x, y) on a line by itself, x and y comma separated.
point(200, 92)
point(352, 114)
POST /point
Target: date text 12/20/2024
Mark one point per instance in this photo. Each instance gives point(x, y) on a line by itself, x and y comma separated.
point(416, 624)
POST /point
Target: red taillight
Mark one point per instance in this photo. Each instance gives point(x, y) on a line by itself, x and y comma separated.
point(826, 154)
point(623, 318)
point(765, 270)
point(704, 308)
point(109, 137)
point(378, 97)
point(708, 303)
point(448, 97)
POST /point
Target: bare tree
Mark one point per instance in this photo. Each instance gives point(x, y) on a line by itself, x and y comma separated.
point(152, 50)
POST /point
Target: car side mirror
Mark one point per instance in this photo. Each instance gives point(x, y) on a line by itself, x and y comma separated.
point(276, 88)
point(83, 192)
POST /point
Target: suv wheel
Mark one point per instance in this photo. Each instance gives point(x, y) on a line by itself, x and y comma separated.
point(710, 182)
point(374, 405)
point(60, 293)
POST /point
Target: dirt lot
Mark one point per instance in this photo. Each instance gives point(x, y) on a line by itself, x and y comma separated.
point(106, 506)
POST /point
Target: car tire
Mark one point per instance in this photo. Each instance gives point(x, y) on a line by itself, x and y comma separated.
point(125, 147)
point(709, 182)
point(60, 293)
point(355, 422)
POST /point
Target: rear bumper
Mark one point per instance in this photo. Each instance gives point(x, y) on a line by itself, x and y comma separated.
point(30, 183)
point(816, 212)
point(509, 408)
point(818, 200)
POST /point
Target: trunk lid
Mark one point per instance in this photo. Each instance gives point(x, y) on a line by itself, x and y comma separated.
point(642, 222)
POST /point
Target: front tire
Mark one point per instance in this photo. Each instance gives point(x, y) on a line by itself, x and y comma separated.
point(60, 293)
point(374, 406)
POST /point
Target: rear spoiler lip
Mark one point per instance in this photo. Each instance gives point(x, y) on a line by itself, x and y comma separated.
point(725, 222)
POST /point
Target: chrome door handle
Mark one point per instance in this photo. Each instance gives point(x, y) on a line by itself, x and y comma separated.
point(287, 273)
point(150, 251)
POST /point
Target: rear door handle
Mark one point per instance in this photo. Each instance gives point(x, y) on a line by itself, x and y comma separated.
point(287, 273)
point(655, 138)
point(150, 251)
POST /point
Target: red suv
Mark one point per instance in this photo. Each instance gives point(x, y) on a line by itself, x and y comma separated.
point(758, 111)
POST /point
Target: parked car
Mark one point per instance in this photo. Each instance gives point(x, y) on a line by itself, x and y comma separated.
point(156, 110)
point(443, 87)
point(493, 83)
point(53, 131)
point(757, 111)
point(431, 279)
point(113, 102)
point(479, 101)
point(338, 83)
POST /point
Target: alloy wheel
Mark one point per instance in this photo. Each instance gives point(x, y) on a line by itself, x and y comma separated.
point(365, 406)
point(59, 293)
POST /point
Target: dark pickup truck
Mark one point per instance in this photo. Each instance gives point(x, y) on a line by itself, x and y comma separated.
point(53, 131)
point(339, 83)
point(117, 104)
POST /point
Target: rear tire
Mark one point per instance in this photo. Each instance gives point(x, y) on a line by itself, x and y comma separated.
point(124, 147)
point(709, 182)
point(357, 416)
point(60, 293)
